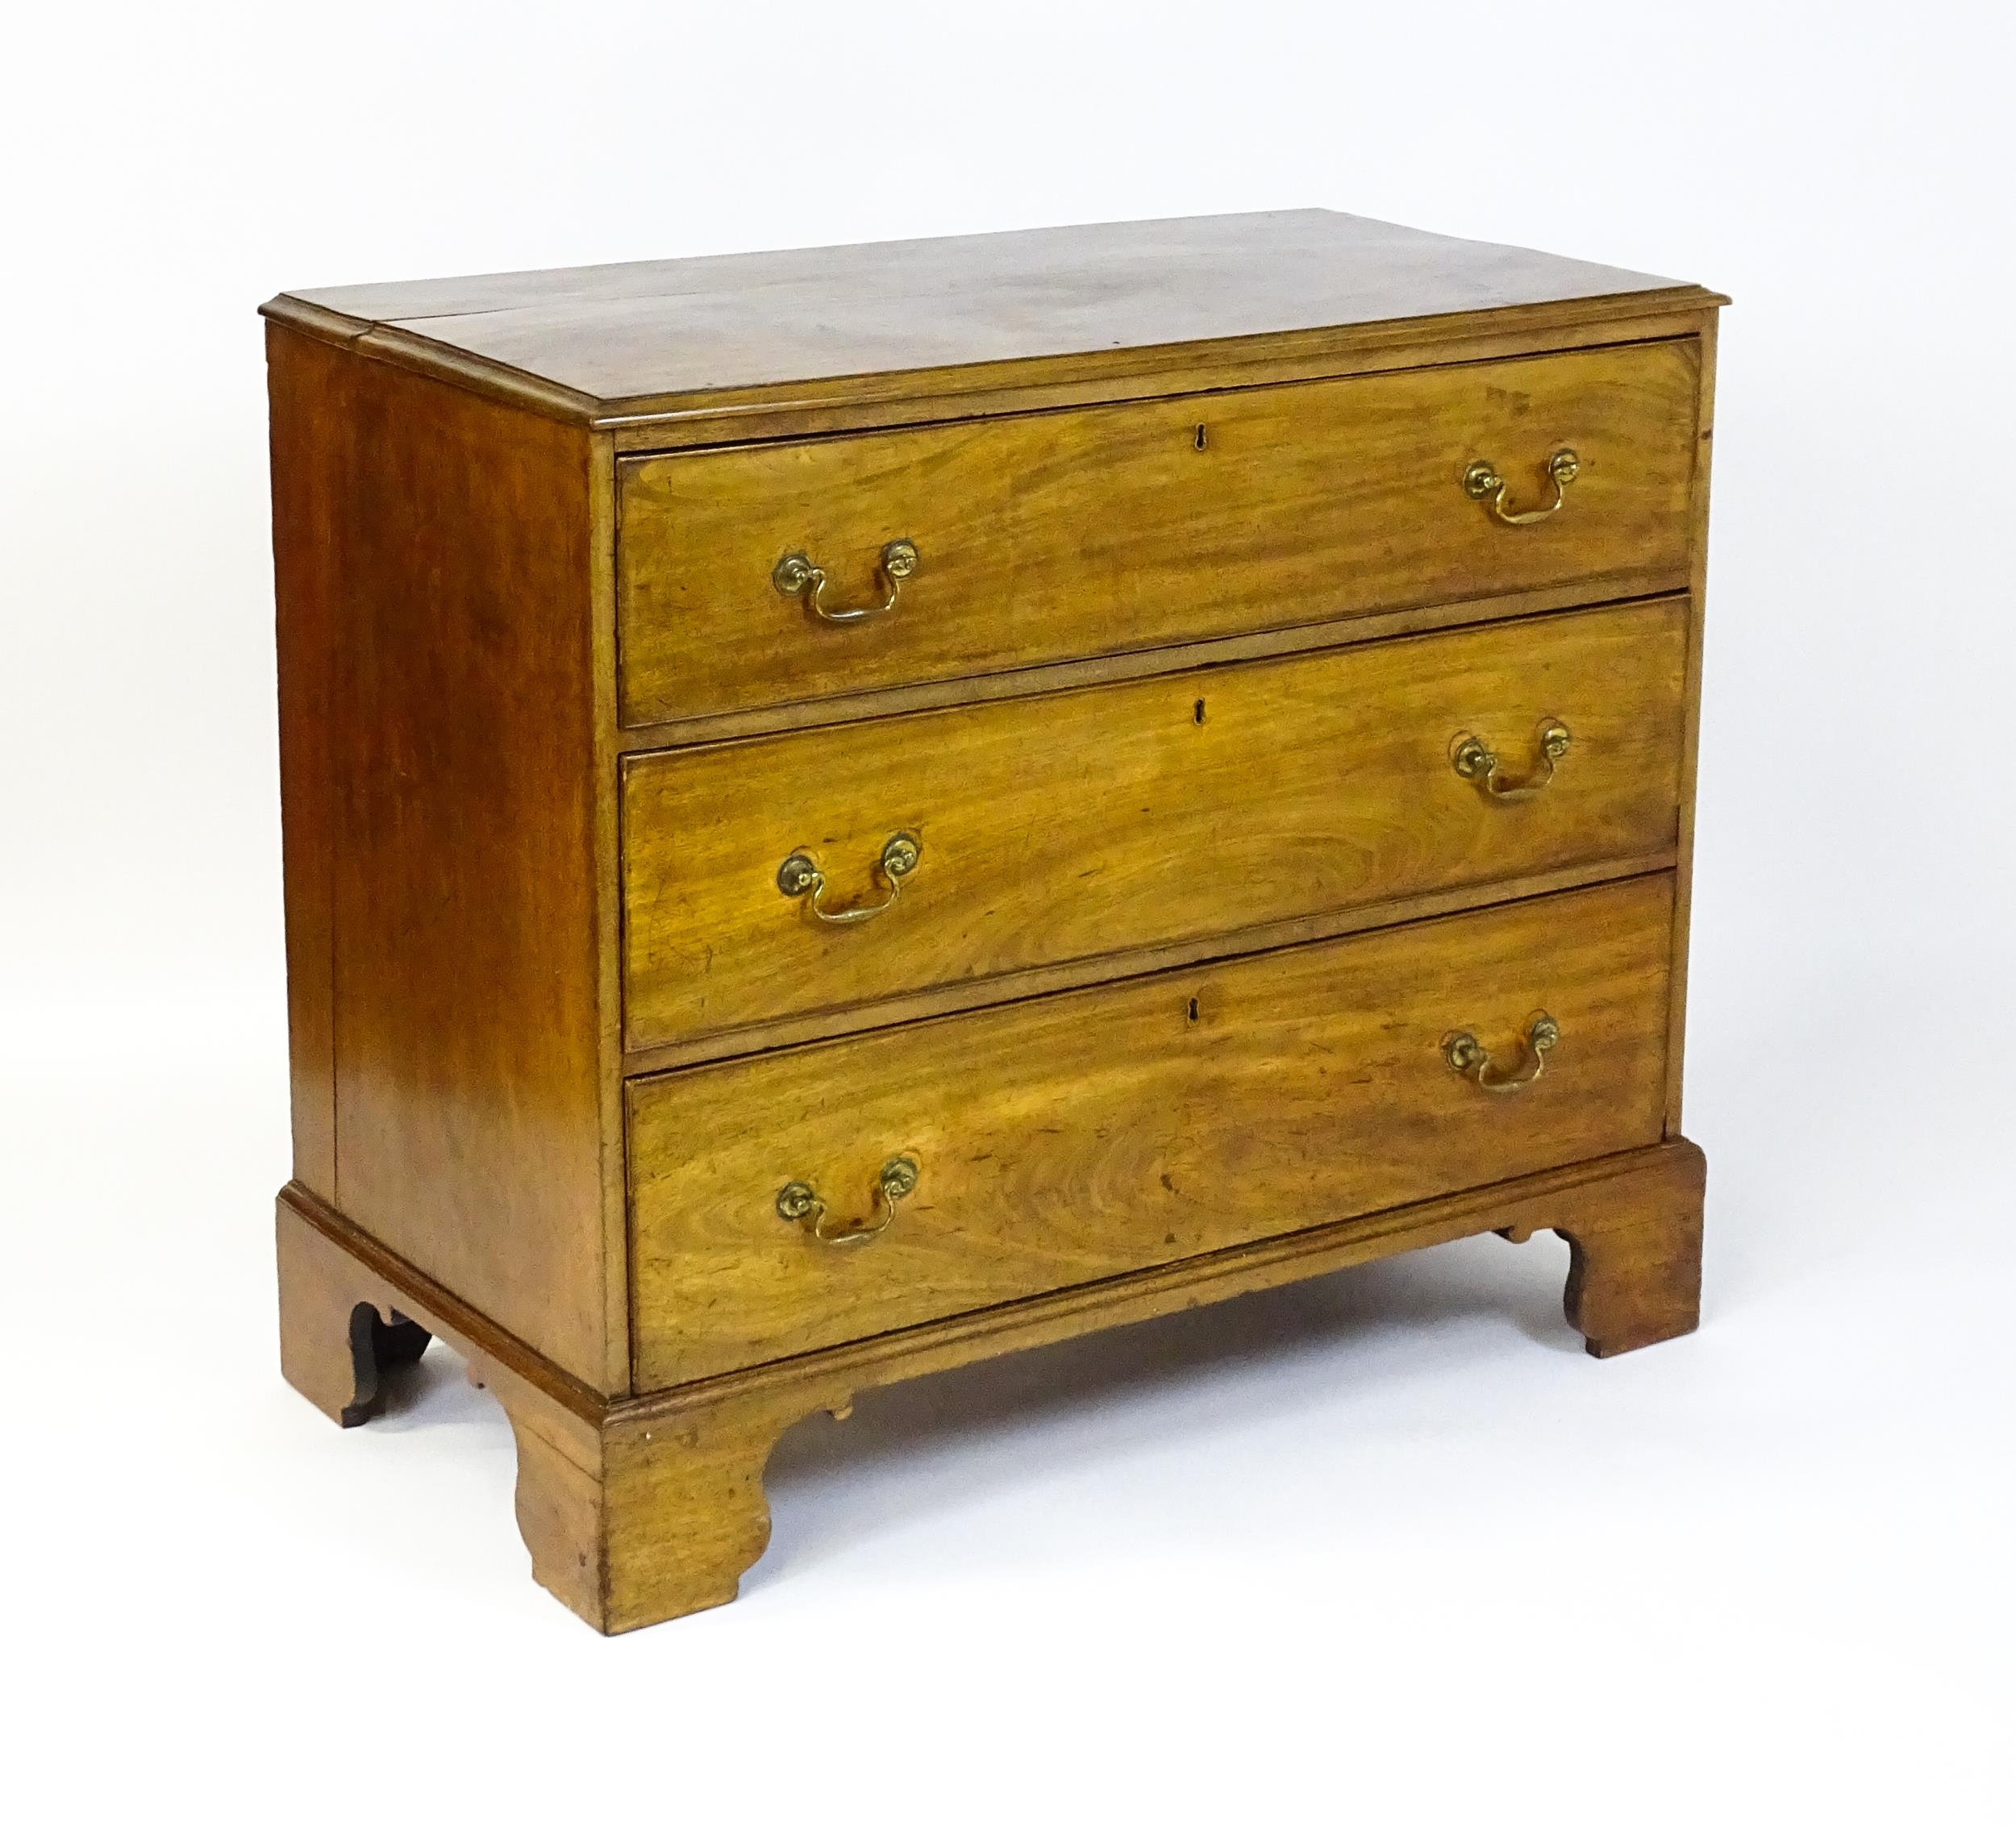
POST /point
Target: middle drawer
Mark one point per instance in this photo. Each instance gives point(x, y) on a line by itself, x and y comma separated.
point(1005, 836)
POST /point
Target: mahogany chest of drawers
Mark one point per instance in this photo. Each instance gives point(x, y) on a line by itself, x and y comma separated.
point(846, 811)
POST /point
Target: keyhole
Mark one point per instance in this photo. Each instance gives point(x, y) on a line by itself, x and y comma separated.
point(1200, 437)
point(1196, 715)
point(1194, 1007)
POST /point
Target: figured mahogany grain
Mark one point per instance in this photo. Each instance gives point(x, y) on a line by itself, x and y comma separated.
point(308, 386)
point(732, 322)
point(434, 589)
point(1081, 1136)
point(1100, 821)
point(1054, 536)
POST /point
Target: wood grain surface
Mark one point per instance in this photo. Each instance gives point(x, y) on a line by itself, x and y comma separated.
point(1056, 536)
point(309, 387)
point(434, 575)
point(691, 327)
point(1100, 822)
point(1082, 1136)
point(1690, 745)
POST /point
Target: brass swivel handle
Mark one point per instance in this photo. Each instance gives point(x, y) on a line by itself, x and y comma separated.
point(1482, 482)
point(1467, 1058)
point(796, 575)
point(799, 1203)
point(800, 875)
point(1471, 759)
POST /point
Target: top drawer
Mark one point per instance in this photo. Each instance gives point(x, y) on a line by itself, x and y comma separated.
point(1100, 530)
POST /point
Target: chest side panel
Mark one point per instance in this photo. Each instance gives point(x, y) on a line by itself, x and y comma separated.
point(451, 854)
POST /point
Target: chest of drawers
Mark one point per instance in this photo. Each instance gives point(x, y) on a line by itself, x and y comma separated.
point(852, 810)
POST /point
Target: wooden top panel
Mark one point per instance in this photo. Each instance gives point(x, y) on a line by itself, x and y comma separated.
point(738, 323)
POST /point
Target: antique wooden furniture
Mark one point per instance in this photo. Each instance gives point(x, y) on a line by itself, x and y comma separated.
point(846, 811)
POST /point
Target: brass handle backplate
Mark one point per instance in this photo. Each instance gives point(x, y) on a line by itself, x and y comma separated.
point(800, 875)
point(799, 1203)
point(1474, 760)
point(1467, 1058)
point(1481, 481)
point(796, 575)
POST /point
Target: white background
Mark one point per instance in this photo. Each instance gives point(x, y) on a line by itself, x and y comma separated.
point(1387, 1547)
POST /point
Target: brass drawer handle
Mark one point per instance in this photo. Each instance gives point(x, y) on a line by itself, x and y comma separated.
point(1467, 1058)
point(1473, 760)
point(800, 875)
point(798, 1203)
point(795, 574)
point(1481, 482)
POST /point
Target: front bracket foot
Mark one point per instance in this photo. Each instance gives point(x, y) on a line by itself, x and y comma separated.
point(1634, 1276)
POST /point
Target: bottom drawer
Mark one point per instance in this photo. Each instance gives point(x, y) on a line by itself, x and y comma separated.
point(1062, 1140)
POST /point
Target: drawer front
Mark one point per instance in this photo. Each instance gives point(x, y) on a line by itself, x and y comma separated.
point(1080, 1136)
point(1169, 810)
point(1107, 529)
